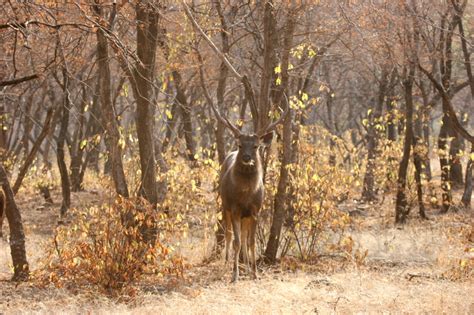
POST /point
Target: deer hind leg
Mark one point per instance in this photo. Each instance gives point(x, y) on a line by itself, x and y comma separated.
point(228, 233)
point(236, 226)
point(246, 222)
point(252, 239)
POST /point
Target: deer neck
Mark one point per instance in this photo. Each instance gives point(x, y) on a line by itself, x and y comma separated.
point(251, 175)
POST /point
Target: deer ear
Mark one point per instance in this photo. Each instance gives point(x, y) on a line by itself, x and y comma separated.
point(267, 138)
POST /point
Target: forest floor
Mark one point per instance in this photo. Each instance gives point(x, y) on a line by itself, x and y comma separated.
point(412, 269)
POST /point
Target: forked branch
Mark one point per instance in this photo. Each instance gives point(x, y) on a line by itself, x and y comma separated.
point(450, 110)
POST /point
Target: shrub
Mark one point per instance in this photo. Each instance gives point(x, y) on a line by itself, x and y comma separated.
point(314, 222)
point(110, 247)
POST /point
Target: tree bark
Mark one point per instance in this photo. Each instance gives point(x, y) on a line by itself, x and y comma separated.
point(455, 170)
point(220, 130)
point(17, 235)
point(147, 41)
point(270, 39)
point(466, 196)
point(185, 110)
point(418, 162)
point(170, 126)
point(76, 151)
point(31, 155)
point(401, 206)
point(280, 202)
point(60, 142)
point(109, 117)
point(368, 192)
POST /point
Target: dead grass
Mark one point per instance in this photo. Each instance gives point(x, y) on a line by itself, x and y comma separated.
point(407, 270)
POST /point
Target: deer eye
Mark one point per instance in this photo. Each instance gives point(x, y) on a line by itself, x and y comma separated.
point(255, 146)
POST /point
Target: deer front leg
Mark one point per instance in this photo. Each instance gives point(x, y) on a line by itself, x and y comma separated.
point(246, 225)
point(236, 225)
point(252, 238)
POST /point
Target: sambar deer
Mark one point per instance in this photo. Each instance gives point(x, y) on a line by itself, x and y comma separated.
point(242, 191)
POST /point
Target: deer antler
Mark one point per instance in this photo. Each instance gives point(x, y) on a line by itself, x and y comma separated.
point(225, 121)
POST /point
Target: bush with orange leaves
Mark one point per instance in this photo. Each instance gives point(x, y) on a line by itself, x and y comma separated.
point(110, 247)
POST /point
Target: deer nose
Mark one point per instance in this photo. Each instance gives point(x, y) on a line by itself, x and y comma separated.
point(246, 158)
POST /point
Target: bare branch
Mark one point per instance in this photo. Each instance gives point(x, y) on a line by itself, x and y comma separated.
point(209, 41)
point(19, 80)
point(450, 110)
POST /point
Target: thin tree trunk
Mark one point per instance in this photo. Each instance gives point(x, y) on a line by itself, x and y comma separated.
point(76, 151)
point(147, 40)
point(61, 139)
point(32, 154)
point(109, 117)
point(186, 116)
point(220, 130)
point(280, 202)
point(418, 162)
point(17, 235)
point(401, 206)
point(456, 166)
point(466, 196)
point(170, 126)
point(368, 192)
point(27, 124)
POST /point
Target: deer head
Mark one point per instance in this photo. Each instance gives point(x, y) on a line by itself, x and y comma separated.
point(249, 144)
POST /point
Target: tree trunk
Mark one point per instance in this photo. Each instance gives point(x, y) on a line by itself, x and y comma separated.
point(280, 202)
point(76, 150)
point(457, 145)
point(466, 196)
point(31, 155)
point(401, 206)
point(147, 40)
point(220, 130)
point(109, 117)
point(27, 124)
point(368, 192)
point(170, 126)
point(17, 235)
point(186, 116)
point(61, 139)
point(270, 39)
point(444, 161)
point(418, 162)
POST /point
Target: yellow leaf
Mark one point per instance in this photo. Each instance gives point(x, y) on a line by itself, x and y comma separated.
point(121, 143)
point(278, 69)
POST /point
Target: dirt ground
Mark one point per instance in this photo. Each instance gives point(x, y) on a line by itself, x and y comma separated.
point(407, 270)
